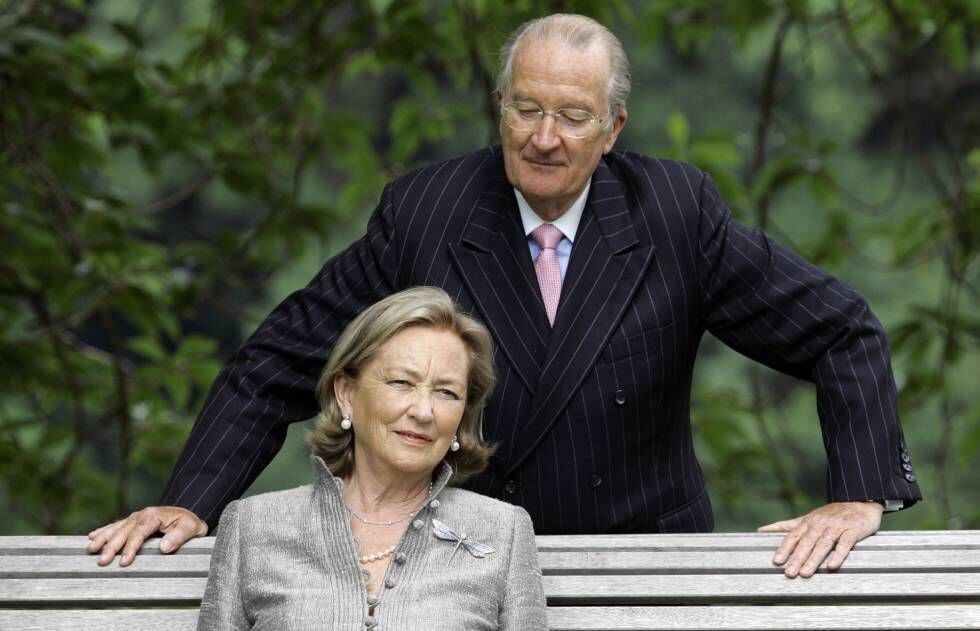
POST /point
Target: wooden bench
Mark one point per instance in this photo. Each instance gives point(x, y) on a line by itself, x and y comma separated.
point(894, 580)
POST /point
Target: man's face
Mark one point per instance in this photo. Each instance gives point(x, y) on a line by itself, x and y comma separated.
point(548, 169)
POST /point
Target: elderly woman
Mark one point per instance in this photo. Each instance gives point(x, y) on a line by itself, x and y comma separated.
point(381, 539)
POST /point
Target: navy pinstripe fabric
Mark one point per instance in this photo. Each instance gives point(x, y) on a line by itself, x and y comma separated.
point(592, 416)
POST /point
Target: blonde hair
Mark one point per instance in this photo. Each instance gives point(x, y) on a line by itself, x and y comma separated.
point(360, 342)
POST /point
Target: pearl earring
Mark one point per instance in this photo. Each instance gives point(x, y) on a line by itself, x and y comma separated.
point(454, 446)
point(345, 423)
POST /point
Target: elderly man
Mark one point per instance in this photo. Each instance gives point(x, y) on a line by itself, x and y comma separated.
point(597, 273)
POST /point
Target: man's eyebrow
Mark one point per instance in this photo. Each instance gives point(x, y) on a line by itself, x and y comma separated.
point(568, 105)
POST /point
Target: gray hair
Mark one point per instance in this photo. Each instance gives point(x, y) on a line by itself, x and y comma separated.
point(577, 32)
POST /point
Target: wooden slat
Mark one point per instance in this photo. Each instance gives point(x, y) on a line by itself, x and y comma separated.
point(759, 561)
point(76, 545)
point(572, 618)
point(109, 592)
point(77, 566)
point(925, 540)
point(932, 539)
point(903, 617)
point(562, 590)
point(99, 620)
point(760, 588)
point(591, 562)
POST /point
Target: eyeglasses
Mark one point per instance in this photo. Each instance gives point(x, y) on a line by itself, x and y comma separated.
point(570, 122)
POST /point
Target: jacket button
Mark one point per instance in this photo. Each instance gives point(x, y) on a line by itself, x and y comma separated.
point(907, 467)
point(389, 583)
point(906, 457)
point(417, 524)
point(910, 477)
point(372, 600)
point(901, 444)
point(620, 397)
point(596, 481)
point(400, 558)
point(511, 487)
point(434, 504)
point(370, 622)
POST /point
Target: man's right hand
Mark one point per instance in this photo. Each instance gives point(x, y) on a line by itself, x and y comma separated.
point(127, 535)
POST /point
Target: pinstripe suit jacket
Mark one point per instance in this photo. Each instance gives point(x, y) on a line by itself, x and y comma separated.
point(592, 416)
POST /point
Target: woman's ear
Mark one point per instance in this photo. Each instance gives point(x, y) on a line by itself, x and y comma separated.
point(343, 390)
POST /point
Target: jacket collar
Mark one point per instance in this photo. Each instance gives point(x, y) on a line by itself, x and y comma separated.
point(332, 485)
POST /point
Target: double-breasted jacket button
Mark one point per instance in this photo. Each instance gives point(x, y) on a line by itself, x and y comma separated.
point(434, 504)
point(910, 477)
point(596, 481)
point(417, 524)
point(511, 487)
point(620, 397)
point(906, 457)
point(400, 558)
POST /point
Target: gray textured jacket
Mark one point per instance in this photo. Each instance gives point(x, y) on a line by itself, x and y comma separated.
point(287, 560)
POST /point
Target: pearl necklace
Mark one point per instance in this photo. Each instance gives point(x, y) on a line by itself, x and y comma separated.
point(377, 556)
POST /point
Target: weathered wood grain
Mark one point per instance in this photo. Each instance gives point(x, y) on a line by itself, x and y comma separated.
point(893, 617)
point(759, 588)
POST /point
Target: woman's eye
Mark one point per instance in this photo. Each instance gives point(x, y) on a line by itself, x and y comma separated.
point(398, 382)
point(448, 393)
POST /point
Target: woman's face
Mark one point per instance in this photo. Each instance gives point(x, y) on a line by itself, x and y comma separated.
point(407, 402)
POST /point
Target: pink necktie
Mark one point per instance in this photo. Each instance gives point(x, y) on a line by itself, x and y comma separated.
point(546, 267)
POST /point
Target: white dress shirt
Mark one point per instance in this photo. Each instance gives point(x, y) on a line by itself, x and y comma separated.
point(567, 223)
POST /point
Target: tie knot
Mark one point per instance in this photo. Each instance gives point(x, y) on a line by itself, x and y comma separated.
point(547, 236)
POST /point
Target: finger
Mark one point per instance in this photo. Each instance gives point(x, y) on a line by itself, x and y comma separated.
point(804, 547)
point(95, 533)
point(179, 531)
point(787, 545)
point(781, 526)
point(99, 536)
point(114, 541)
point(845, 544)
point(821, 548)
point(146, 524)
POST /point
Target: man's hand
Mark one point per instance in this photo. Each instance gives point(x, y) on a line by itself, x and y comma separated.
point(178, 525)
point(811, 538)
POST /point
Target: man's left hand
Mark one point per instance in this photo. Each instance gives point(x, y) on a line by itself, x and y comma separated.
point(828, 532)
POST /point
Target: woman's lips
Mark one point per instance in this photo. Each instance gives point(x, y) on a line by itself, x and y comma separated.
point(413, 438)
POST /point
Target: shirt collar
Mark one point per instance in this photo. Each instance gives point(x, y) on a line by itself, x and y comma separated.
point(567, 223)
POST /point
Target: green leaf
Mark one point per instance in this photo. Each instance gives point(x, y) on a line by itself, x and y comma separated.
point(678, 130)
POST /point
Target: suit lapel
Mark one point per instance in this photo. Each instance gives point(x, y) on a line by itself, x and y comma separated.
point(606, 267)
point(495, 264)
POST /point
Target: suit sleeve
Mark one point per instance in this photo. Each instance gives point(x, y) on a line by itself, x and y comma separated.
point(269, 382)
point(523, 607)
point(223, 606)
point(769, 304)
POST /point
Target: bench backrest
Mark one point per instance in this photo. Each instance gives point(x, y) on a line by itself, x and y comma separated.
point(922, 580)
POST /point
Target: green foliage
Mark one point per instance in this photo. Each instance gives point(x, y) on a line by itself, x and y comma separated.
point(165, 167)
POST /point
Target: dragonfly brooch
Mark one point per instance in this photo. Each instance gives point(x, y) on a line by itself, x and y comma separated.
point(444, 532)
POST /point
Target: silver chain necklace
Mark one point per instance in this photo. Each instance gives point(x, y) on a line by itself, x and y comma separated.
point(371, 522)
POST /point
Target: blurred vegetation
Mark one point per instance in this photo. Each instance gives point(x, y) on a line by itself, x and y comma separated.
point(170, 170)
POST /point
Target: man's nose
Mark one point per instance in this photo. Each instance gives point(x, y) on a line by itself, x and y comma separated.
point(545, 137)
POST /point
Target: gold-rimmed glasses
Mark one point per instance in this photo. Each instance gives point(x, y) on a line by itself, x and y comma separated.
point(570, 122)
